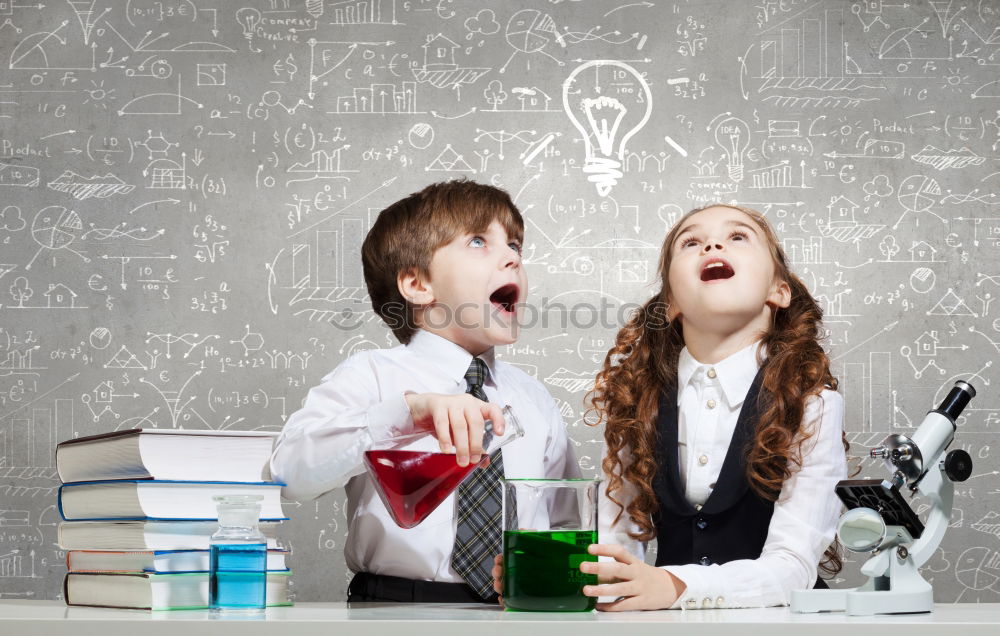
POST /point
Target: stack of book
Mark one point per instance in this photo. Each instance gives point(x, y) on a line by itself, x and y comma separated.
point(138, 514)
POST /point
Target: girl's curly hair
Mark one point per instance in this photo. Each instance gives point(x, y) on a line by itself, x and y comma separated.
point(644, 358)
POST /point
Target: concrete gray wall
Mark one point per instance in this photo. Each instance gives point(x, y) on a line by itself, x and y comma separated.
point(184, 186)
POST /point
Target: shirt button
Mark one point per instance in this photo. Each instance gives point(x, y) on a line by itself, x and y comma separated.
point(706, 603)
point(720, 601)
point(705, 560)
point(712, 373)
point(703, 460)
point(697, 506)
point(701, 524)
point(691, 603)
point(710, 404)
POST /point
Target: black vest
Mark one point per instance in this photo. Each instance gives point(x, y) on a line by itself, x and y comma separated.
point(733, 522)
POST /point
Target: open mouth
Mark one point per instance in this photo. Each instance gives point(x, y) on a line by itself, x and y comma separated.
point(716, 269)
point(504, 298)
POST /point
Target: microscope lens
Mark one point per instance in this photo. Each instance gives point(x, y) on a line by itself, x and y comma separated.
point(959, 396)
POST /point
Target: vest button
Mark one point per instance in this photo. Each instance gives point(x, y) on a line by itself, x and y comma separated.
point(701, 524)
point(705, 560)
point(712, 373)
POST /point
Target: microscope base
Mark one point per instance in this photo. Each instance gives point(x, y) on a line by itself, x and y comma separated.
point(861, 603)
point(903, 592)
point(870, 603)
point(812, 601)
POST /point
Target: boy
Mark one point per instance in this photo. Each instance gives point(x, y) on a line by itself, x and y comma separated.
point(443, 270)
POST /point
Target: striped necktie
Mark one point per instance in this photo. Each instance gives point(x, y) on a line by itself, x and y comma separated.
point(479, 531)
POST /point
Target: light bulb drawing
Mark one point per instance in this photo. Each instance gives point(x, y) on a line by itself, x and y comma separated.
point(248, 18)
point(314, 8)
point(608, 102)
point(733, 136)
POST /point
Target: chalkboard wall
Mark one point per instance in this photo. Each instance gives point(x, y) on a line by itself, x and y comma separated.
point(184, 186)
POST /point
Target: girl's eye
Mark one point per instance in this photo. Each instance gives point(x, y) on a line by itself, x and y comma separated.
point(477, 241)
point(689, 241)
point(515, 246)
point(743, 235)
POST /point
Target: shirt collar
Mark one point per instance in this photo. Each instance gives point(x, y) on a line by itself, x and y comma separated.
point(734, 374)
point(451, 359)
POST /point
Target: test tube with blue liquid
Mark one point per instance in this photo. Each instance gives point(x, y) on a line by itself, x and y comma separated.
point(238, 558)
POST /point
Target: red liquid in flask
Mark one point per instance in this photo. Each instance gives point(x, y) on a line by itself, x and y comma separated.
point(412, 484)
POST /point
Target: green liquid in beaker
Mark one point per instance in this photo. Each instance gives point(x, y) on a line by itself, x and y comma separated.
point(542, 570)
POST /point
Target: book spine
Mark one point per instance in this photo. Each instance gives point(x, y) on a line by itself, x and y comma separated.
point(59, 503)
point(162, 519)
point(153, 482)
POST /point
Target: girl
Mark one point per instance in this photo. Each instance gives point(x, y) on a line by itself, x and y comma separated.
point(723, 429)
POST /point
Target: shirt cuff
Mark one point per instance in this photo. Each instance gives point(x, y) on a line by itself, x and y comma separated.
point(389, 418)
point(698, 591)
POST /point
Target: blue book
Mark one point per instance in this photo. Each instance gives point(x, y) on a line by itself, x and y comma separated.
point(146, 535)
point(158, 561)
point(136, 499)
point(146, 590)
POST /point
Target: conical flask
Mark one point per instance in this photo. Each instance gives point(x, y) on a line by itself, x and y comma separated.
point(412, 483)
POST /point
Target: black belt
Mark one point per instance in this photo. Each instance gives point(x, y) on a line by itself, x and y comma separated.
point(368, 587)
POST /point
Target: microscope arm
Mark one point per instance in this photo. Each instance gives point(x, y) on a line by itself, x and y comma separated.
point(941, 492)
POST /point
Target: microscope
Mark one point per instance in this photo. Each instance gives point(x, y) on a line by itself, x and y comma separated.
point(879, 521)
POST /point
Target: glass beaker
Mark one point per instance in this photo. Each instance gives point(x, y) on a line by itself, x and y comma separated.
point(412, 482)
point(237, 558)
point(548, 524)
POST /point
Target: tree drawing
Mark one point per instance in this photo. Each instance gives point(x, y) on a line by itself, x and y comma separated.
point(21, 291)
point(495, 94)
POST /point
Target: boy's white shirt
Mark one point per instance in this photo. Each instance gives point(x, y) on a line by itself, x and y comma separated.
point(804, 520)
point(361, 401)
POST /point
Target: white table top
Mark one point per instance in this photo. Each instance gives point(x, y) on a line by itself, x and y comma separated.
point(51, 618)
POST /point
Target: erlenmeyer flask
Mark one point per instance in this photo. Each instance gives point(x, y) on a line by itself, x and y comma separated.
point(413, 483)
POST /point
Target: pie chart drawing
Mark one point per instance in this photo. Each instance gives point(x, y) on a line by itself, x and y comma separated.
point(421, 136)
point(55, 228)
point(918, 193)
point(528, 30)
point(100, 338)
point(922, 280)
point(978, 569)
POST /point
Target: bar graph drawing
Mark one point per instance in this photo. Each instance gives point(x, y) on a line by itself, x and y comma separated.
point(806, 63)
point(353, 12)
point(380, 99)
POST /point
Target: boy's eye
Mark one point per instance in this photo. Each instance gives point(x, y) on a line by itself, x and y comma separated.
point(477, 241)
point(515, 246)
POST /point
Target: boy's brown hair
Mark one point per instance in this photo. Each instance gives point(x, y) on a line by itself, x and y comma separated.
point(407, 233)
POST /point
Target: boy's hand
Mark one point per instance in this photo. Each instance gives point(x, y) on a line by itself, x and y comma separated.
point(498, 577)
point(458, 421)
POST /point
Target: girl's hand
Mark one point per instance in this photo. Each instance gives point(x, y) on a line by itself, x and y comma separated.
point(638, 586)
point(498, 577)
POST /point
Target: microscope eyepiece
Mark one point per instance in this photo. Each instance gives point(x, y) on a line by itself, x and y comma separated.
point(956, 400)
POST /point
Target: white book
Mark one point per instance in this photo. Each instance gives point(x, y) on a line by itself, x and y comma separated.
point(145, 535)
point(172, 454)
point(158, 561)
point(157, 591)
point(155, 499)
